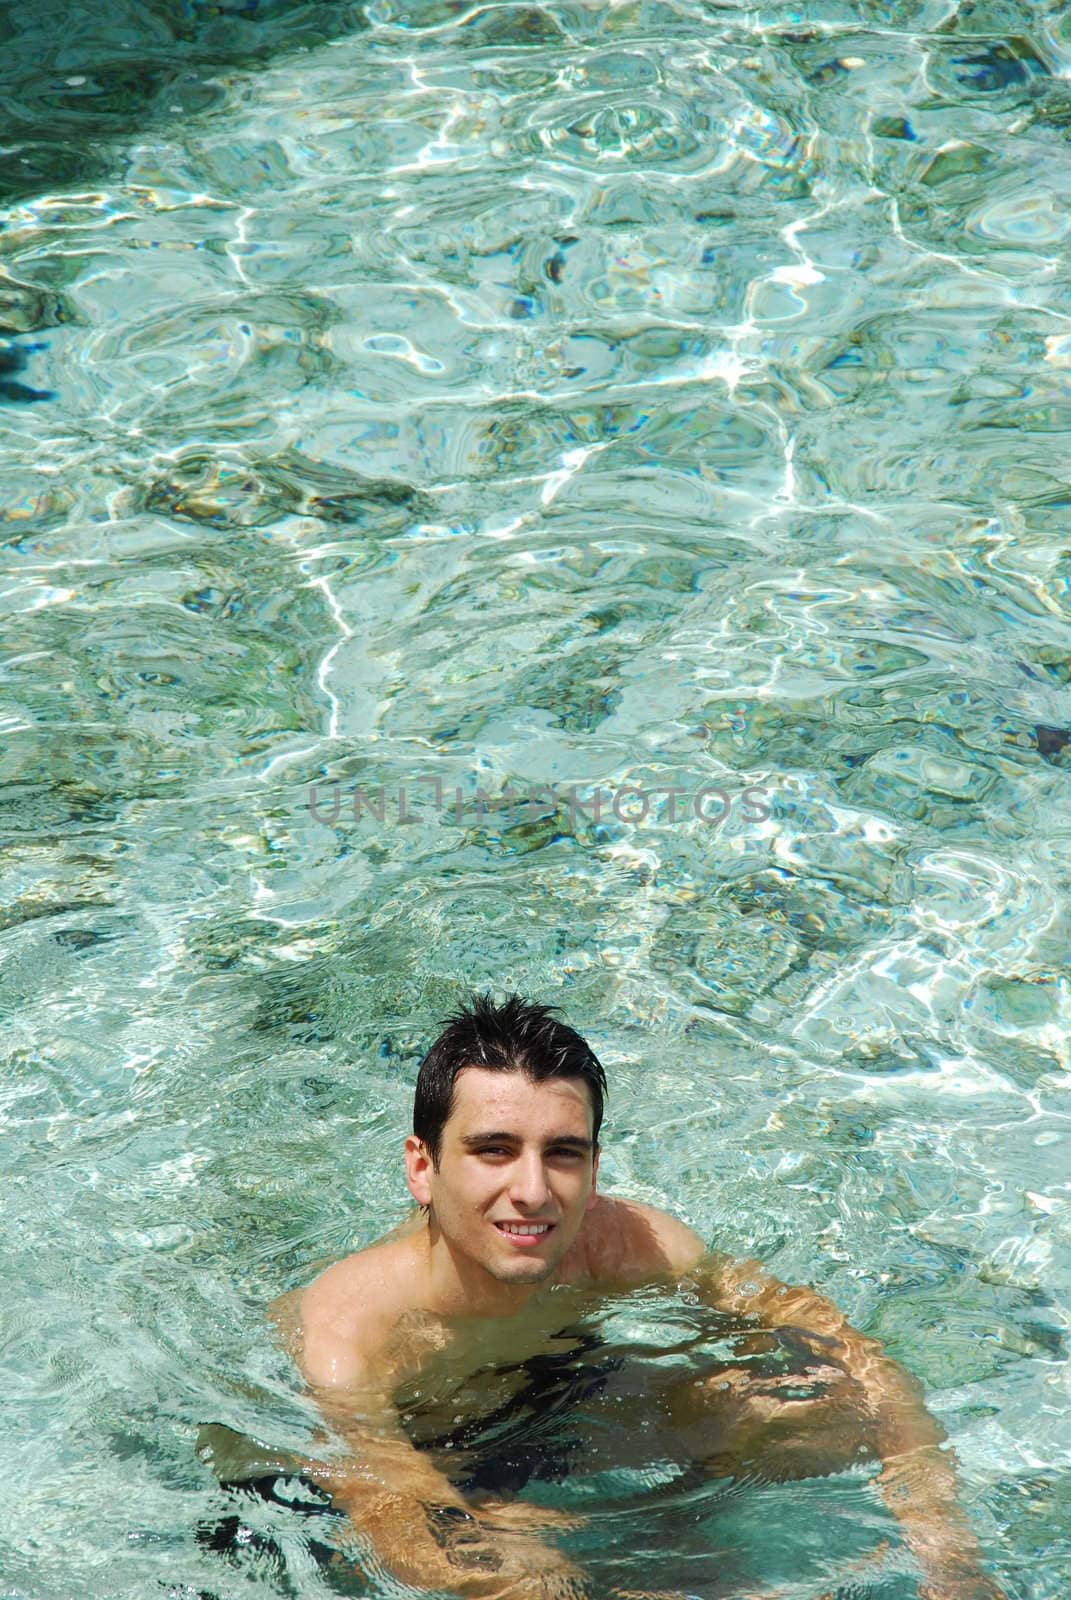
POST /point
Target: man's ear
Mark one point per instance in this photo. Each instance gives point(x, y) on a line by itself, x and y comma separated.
point(592, 1197)
point(418, 1169)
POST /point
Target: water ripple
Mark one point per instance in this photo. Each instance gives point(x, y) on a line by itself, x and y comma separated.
point(513, 405)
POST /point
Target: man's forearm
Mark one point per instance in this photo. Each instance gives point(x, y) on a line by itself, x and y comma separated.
point(917, 1481)
point(423, 1530)
point(918, 1478)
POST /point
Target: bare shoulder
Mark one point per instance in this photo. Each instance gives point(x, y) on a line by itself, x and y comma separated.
point(629, 1242)
point(338, 1327)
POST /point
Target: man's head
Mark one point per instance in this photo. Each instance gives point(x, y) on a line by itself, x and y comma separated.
point(504, 1148)
point(513, 1037)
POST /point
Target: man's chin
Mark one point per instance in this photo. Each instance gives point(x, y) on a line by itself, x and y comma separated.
point(525, 1269)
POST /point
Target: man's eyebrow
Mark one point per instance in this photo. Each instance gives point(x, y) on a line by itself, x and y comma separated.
point(572, 1140)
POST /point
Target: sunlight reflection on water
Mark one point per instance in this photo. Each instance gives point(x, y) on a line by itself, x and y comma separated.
point(641, 396)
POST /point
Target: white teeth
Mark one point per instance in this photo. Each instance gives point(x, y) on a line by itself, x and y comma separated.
point(524, 1227)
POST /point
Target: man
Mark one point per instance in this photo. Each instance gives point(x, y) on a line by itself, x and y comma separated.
point(512, 1241)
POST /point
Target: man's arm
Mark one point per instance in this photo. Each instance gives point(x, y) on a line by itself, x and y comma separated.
point(918, 1479)
point(419, 1525)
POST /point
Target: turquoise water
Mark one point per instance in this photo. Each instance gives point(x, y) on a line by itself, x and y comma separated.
point(588, 397)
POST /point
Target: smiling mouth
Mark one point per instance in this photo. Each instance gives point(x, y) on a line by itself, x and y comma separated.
point(524, 1231)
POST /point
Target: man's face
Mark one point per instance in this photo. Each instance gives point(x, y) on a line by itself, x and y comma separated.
point(516, 1173)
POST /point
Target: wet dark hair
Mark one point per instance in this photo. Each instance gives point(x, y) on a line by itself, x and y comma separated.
point(515, 1036)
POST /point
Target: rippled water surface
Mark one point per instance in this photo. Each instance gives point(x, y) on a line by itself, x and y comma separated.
point(486, 399)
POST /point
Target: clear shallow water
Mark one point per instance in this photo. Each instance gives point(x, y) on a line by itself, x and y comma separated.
point(632, 395)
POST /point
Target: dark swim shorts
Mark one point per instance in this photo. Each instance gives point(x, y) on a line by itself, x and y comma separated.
point(532, 1435)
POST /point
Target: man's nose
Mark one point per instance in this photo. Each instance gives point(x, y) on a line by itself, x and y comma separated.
point(528, 1185)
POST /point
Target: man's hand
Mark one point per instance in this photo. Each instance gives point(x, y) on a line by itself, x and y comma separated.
point(950, 1566)
point(963, 1581)
point(442, 1545)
